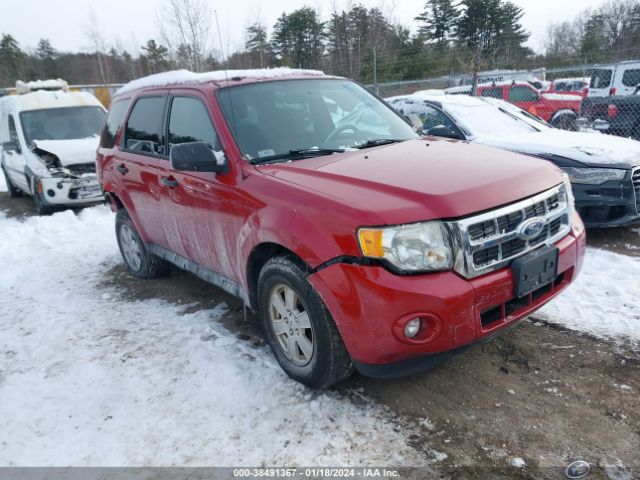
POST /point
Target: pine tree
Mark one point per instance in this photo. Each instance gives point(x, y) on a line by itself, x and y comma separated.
point(157, 56)
point(12, 60)
point(257, 44)
point(438, 21)
point(46, 55)
point(298, 38)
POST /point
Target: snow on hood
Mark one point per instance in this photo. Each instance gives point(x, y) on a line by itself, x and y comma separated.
point(595, 149)
point(71, 152)
point(562, 97)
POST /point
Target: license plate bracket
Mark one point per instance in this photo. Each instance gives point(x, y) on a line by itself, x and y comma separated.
point(535, 270)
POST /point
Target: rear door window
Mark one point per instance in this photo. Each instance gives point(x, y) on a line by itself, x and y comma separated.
point(601, 78)
point(631, 78)
point(142, 134)
point(189, 121)
point(493, 92)
point(113, 122)
point(522, 94)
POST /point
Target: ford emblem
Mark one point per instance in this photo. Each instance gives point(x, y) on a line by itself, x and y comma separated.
point(578, 469)
point(532, 228)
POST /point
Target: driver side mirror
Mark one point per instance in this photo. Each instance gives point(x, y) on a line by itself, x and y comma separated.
point(442, 131)
point(11, 146)
point(197, 157)
point(414, 121)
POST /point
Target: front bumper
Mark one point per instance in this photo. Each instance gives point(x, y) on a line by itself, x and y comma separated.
point(612, 204)
point(69, 191)
point(371, 306)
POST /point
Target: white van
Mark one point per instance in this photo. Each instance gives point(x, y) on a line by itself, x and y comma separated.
point(48, 138)
point(617, 79)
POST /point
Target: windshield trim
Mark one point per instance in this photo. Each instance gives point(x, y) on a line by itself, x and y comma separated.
point(29, 141)
point(220, 90)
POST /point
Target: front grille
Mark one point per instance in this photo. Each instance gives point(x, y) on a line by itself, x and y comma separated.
point(492, 240)
point(635, 178)
point(82, 168)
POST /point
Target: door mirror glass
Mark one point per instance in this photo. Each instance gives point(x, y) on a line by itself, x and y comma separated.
point(197, 157)
point(11, 147)
point(442, 131)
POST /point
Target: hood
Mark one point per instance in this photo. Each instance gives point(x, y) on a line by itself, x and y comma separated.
point(420, 180)
point(586, 148)
point(71, 152)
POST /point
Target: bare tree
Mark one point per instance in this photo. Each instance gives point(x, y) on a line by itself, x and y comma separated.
point(97, 44)
point(185, 26)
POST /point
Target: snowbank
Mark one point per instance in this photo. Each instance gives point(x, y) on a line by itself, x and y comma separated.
point(605, 299)
point(89, 379)
point(3, 184)
point(187, 77)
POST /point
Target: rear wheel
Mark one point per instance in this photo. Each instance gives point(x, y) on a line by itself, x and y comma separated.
point(13, 191)
point(566, 121)
point(137, 259)
point(298, 326)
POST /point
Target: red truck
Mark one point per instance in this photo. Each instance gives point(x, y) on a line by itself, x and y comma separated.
point(559, 109)
point(359, 244)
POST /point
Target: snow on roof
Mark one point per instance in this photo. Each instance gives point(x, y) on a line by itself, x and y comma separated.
point(176, 77)
point(41, 99)
point(51, 84)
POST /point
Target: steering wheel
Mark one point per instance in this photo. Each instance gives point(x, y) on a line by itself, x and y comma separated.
point(340, 129)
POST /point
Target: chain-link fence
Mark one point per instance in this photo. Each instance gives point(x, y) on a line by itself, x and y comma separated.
point(594, 97)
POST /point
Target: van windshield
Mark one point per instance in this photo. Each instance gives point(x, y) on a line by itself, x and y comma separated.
point(274, 118)
point(601, 78)
point(66, 123)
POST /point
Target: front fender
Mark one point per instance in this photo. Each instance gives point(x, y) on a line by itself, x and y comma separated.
point(309, 238)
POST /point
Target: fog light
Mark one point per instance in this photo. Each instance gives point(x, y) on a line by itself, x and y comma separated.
point(51, 193)
point(412, 328)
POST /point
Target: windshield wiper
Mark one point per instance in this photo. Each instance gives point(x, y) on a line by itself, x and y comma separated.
point(376, 142)
point(297, 155)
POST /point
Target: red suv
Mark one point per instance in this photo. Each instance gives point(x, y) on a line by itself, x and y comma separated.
point(358, 243)
point(559, 109)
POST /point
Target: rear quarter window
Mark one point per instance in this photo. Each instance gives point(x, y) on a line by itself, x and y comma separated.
point(601, 79)
point(113, 122)
point(493, 92)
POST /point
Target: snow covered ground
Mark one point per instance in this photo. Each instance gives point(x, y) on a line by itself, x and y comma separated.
point(89, 379)
point(3, 185)
point(605, 299)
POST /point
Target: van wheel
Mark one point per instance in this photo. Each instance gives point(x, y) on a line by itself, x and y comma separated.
point(298, 326)
point(41, 206)
point(138, 261)
point(14, 192)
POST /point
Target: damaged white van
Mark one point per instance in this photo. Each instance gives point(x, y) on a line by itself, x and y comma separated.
point(49, 137)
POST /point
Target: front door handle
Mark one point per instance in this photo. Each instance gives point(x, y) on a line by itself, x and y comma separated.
point(122, 169)
point(169, 182)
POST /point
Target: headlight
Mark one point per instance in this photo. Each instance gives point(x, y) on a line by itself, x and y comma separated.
point(419, 247)
point(593, 176)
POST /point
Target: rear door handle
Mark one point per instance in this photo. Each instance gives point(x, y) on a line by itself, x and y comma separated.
point(169, 182)
point(122, 169)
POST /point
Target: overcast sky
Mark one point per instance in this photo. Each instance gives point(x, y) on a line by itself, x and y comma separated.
point(129, 23)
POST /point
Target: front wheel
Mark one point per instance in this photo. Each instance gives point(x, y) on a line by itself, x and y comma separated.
point(298, 326)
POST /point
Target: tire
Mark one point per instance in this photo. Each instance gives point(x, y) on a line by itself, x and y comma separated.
point(137, 259)
point(565, 122)
point(321, 360)
point(14, 192)
point(41, 206)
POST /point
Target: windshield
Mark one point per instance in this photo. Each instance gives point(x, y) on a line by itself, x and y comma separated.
point(66, 123)
point(486, 119)
point(274, 118)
